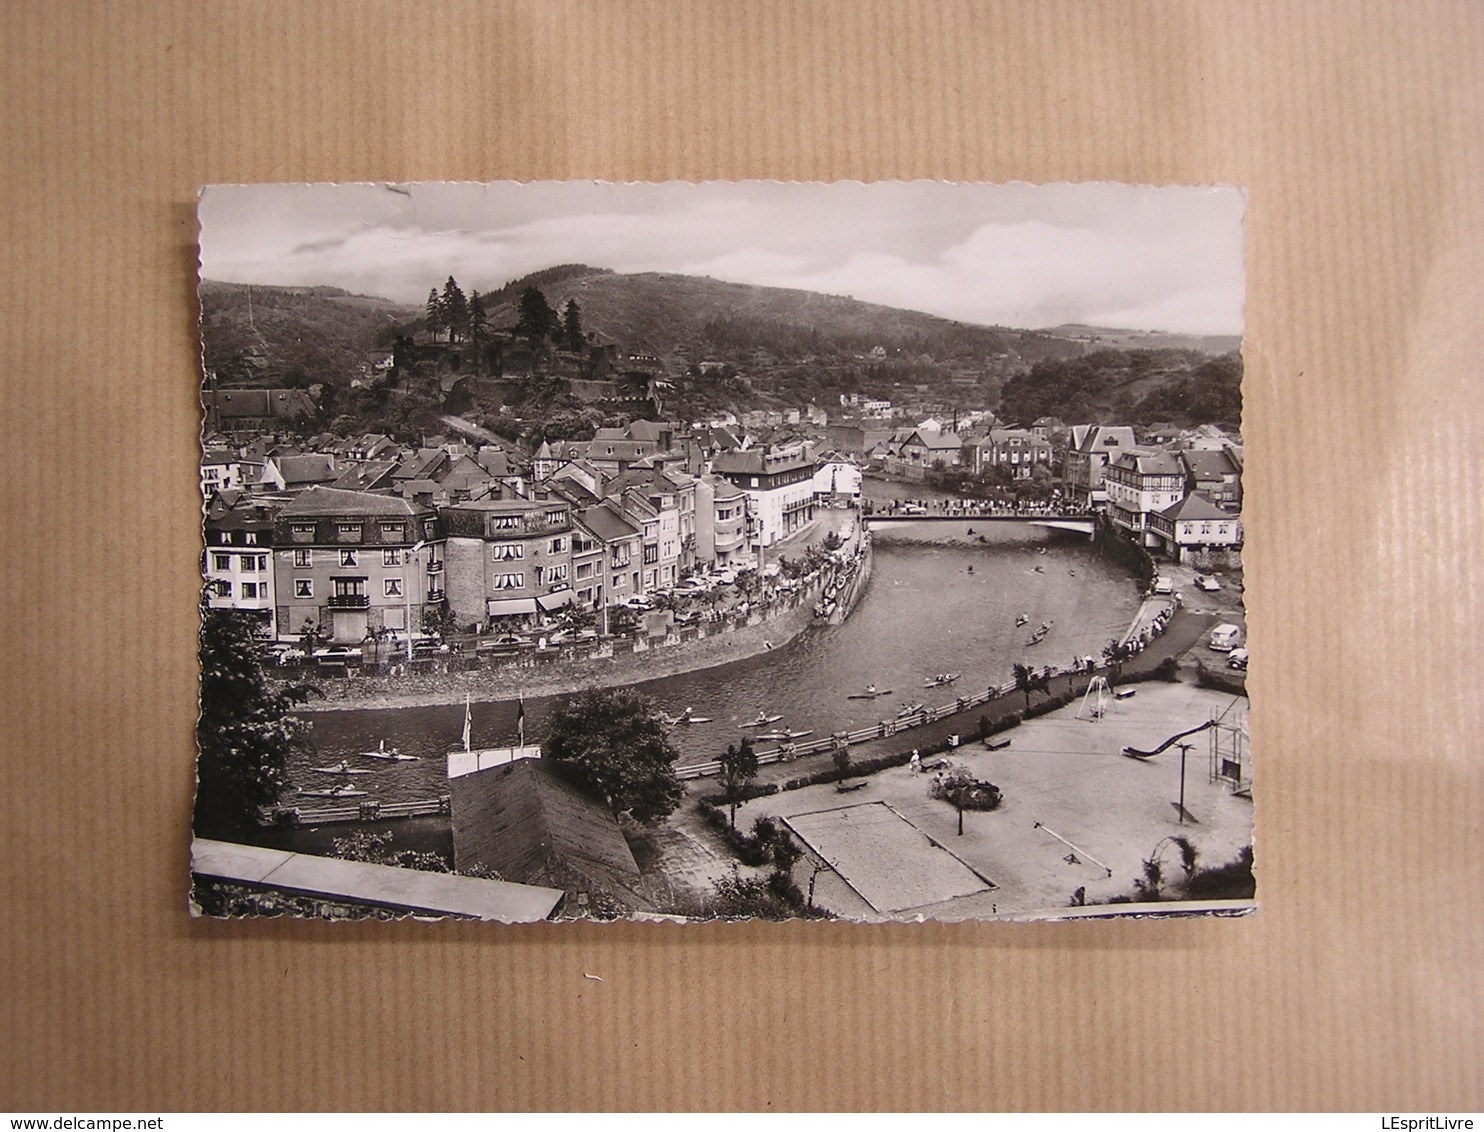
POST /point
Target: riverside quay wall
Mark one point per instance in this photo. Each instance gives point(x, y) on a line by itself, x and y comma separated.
point(828, 596)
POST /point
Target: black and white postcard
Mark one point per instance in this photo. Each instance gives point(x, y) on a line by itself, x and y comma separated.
point(679, 551)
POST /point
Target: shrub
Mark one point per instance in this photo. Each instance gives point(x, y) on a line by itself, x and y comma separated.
point(1219, 679)
point(1231, 881)
point(961, 789)
point(782, 885)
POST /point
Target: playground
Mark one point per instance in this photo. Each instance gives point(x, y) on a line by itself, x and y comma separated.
point(1078, 813)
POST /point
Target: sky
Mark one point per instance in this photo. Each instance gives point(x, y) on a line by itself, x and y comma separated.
point(1026, 256)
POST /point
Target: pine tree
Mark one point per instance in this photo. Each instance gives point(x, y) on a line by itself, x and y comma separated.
point(478, 321)
point(537, 320)
point(455, 310)
point(434, 319)
point(478, 329)
point(572, 334)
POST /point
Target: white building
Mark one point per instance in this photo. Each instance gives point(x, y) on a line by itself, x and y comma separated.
point(779, 485)
point(837, 478)
point(1141, 483)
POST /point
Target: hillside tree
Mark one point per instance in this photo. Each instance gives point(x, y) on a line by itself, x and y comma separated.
point(434, 318)
point(455, 309)
point(537, 321)
point(572, 336)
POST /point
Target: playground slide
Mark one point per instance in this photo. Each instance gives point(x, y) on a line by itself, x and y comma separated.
point(1135, 753)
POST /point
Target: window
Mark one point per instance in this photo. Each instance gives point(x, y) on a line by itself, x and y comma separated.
point(504, 522)
point(302, 557)
point(249, 538)
point(585, 570)
point(507, 551)
point(430, 529)
point(393, 532)
point(557, 546)
point(223, 589)
point(348, 532)
point(350, 587)
point(221, 561)
point(391, 558)
point(754, 481)
point(556, 517)
point(392, 587)
point(302, 532)
point(250, 589)
point(303, 587)
point(509, 581)
point(347, 558)
point(557, 574)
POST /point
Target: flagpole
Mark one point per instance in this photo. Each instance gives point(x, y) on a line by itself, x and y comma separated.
point(520, 722)
point(468, 721)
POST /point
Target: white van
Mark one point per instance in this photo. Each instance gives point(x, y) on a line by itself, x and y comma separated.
point(1224, 638)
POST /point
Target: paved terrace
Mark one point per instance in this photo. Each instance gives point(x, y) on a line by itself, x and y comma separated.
point(1064, 780)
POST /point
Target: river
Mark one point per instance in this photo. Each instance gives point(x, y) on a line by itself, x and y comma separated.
point(929, 608)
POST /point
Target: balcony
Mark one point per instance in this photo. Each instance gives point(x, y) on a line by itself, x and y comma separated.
point(350, 601)
point(435, 596)
point(435, 567)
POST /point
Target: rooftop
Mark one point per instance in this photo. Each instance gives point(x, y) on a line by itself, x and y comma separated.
point(525, 821)
point(333, 501)
point(383, 885)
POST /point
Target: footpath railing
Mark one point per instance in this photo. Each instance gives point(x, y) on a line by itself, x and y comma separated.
point(369, 810)
point(839, 740)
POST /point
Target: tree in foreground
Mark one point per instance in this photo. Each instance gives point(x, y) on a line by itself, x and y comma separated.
point(246, 730)
point(1115, 653)
point(738, 768)
point(1025, 681)
point(614, 741)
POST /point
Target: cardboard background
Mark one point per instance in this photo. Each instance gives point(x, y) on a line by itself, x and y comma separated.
point(1357, 128)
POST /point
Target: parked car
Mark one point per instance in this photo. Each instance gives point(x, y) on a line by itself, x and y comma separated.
point(337, 654)
point(639, 602)
point(1237, 659)
point(1163, 586)
point(1209, 584)
point(1225, 638)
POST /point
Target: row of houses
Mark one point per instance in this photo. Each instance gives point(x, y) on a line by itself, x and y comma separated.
point(365, 539)
point(1178, 492)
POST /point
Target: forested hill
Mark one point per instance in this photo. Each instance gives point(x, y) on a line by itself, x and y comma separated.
point(296, 336)
point(774, 347)
point(1129, 387)
point(661, 314)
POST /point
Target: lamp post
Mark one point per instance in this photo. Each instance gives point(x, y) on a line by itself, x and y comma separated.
point(412, 555)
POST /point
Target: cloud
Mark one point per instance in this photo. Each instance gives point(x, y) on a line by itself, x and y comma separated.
point(1016, 255)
